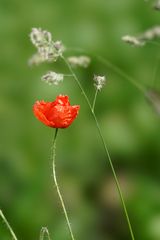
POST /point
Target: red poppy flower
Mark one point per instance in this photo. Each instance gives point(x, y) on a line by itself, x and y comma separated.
point(57, 114)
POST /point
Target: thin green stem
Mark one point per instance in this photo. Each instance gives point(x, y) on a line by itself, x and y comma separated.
point(57, 186)
point(77, 81)
point(117, 70)
point(139, 86)
point(8, 225)
point(94, 100)
point(44, 231)
point(67, 75)
point(153, 43)
point(105, 148)
point(155, 71)
point(115, 176)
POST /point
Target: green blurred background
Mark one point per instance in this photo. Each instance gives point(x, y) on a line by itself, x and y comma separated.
point(130, 123)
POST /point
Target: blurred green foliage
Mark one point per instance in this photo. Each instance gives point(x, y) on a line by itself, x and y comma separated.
point(129, 122)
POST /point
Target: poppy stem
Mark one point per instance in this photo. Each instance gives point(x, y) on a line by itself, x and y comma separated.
point(57, 186)
point(8, 225)
point(105, 148)
point(44, 231)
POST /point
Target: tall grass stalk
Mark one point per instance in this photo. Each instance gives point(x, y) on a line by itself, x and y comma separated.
point(104, 145)
point(8, 225)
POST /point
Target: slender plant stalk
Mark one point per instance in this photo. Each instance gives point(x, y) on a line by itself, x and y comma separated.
point(115, 177)
point(121, 73)
point(153, 43)
point(138, 85)
point(8, 225)
point(44, 231)
point(155, 71)
point(57, 187)
point(77, 81)
point(94, 100)
point(116, 69)
point(105, 148)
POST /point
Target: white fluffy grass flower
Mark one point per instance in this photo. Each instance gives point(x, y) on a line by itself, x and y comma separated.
point(99, 82)
point(52, 78)
point(80, 61)
point(46, 47)
point(40, 37)
point(132, 41)
point(157, 5)
point(144, 37)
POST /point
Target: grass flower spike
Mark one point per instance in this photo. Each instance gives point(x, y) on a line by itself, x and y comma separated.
point(134, 41)
point(99, 82)
point(40, 37)
point(36, 59)
point(48, 49)
point(56, 114)
point(157, 5)
point(52, 78)
point(81, 61)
